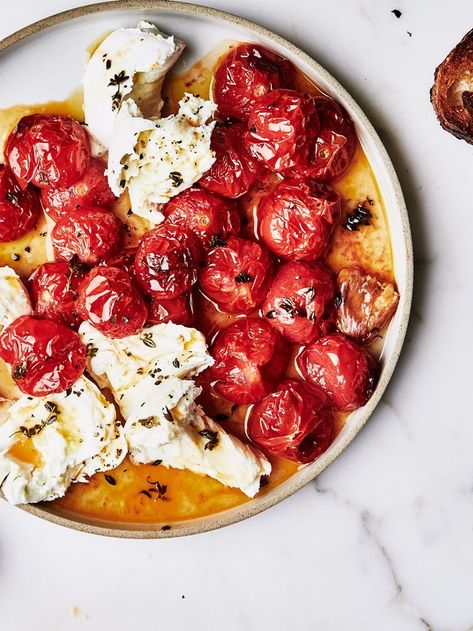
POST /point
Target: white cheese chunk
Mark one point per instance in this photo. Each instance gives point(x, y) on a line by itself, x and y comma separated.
point(156, 160)
point(129, 64)
point(181, 436)
point(160, 351)
point(46, 443)
point(14, 299)
point(150, 376)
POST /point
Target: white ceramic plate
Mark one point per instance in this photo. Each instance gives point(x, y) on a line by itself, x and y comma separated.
point(44, 62)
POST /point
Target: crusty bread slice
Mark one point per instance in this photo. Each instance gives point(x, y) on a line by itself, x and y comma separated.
point(452, 92)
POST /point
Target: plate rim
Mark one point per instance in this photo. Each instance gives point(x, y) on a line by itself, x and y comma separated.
point(244, 511)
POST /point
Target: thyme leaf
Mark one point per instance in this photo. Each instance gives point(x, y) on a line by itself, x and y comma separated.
point(212, 438)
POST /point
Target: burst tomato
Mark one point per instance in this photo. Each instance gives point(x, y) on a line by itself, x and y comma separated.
point(91, 189)
point(282, 128)
point(110, 301)
point(177, 310)
point(300, 300)
point(294, 422)
point(48, 150)
point(335, 147)
point(250, 359)
point(44, 356)
point(342, 368)
point(19, 209)
point(236, 275)
point(209, 216)
point(296, 220)
point(166, 261)
point(235, 170)
point(246, 74)
point(90, 234)
point(54, 289)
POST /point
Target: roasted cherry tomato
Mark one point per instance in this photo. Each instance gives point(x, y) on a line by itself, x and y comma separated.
point(246, 74)
point(166, 261)
point(91, 189)
point(48, 150)
point(110, 301)
point(54, 289)
point(294, 422)
point(90, 234)
point(211, 217)
point(177, 310)
point(19, 209)
point(282, 128)
point(296, 220)
point(250, 360)
point(300, 300)
point(235, 169)
point(236, 275)
point(44, 356)
point(335, 147)
point(342, 368)
point(124, 258)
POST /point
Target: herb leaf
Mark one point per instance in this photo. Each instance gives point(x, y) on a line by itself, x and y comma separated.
point(212, 438)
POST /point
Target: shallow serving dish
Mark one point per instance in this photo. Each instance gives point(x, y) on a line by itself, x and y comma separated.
point(59, 43)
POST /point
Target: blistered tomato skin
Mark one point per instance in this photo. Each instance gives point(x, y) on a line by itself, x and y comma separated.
point(90, 234)
point(296, 220)
point(125, 259)
point(166, 261)
point(342, 368)
point(91, 189)
point(246, 74)
point(300, 301)
point(177, 310)
point(336, 144)
point(235, 170)
point(209, 216)
point(282, 128)
point(236, 275)
point(110, 301)
point(19, 209)
point(295, 422)
point(45, 357)
point(48, 150)
point(54, 289)
point(250, 360)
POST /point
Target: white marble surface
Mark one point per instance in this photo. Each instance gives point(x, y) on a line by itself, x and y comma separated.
point(384, 539)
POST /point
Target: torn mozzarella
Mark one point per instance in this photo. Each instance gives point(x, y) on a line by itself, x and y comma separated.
point(156, 160)
point(14, 299)
point(46, 443)
point(130, 63)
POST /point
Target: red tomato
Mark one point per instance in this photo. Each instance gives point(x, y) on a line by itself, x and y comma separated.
point(90, 234)
point(19, 209)
point(48, 150)
point(336, 144)
point(110, 301)
point(236, 275)
point(296, 220)
point(125, 259)
point(299, 301)
point(342, 368)
point(91, 189)
point(247, 73)
point(250, 360)
point(235, 170)
point(166, 261)
point(44, 356)
point(209, 216)
point(294, 422)
point(54, 289)
point(282, 128)
point(177, 310)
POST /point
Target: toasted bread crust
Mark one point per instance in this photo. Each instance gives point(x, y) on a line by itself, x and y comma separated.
point(452, 92)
